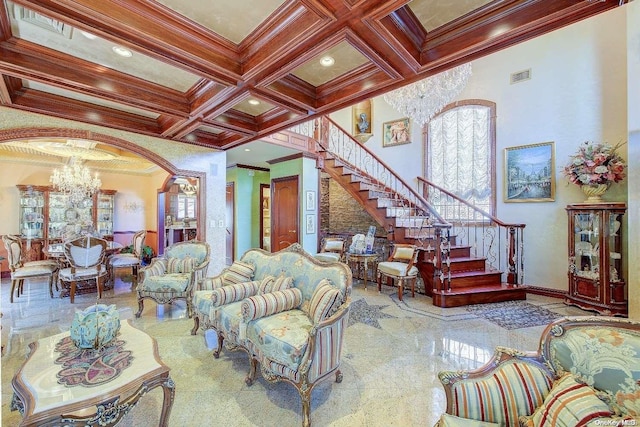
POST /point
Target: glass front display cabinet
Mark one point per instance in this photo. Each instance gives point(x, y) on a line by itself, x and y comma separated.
point(46, 216)
point(596, 279)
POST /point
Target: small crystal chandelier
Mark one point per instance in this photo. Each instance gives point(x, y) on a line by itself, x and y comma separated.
point(424, 99)
point(75, 181)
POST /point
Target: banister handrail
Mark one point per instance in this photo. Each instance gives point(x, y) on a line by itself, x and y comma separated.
point(324, 120)
point(471, 205)
point(422, 212)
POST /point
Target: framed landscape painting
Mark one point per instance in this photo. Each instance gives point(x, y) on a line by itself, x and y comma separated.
point(529, 173)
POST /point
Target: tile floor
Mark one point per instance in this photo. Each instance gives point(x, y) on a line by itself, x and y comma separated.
point(392, 353)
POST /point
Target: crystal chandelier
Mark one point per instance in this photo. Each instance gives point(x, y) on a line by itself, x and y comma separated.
point(75, 181)
point(424, 99)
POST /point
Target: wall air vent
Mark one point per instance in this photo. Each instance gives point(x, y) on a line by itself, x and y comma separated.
point(520, 76)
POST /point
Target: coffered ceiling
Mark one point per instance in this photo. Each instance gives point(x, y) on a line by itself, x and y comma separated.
point(226, 72)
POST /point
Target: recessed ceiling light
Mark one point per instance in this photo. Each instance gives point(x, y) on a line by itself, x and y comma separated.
point(247, 149)
point(327, 61)
point(254, 102)
point(122, 51)
point(88, 35)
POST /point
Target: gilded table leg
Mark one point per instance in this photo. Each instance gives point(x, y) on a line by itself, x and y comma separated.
point(364, 274)
point(169, 390)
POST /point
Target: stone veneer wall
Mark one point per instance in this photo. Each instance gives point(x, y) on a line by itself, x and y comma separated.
point(340, 213)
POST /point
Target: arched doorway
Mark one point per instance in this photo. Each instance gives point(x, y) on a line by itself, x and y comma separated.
point(106, 143)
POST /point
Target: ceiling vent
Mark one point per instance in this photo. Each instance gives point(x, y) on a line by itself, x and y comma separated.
point(521, 76)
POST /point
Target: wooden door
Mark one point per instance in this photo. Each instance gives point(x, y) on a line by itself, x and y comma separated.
point(229, 224)
point(284, 212)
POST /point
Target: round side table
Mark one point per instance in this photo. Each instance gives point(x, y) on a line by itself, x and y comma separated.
point(360, 263)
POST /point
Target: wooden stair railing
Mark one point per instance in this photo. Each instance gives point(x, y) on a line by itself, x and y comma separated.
point(405, 215)
point(464, 250)
point(500, 243)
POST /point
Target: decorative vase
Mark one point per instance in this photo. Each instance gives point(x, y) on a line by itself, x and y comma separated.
point(594, 192)
point(95, 326)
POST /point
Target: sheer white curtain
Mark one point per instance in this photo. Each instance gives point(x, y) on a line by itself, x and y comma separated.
point(459, 154)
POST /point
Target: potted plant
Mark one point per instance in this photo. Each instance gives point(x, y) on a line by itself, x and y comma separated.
point(594, 168)
point(147, 255)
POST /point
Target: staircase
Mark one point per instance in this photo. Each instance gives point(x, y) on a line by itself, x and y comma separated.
point(462, 260)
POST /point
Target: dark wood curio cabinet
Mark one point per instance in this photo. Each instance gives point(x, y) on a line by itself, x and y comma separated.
point(596, 279)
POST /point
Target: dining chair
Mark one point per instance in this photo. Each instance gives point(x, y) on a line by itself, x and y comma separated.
point(86, 257)
point(399, 268)
point(21, 269)
point(130, 260)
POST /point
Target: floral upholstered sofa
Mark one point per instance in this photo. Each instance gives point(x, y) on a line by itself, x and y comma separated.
point(586, 372)
point(287, 310)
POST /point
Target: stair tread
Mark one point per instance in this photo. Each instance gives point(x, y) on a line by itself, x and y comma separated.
point(485, 272)
point(498, 287)
point(467, 258)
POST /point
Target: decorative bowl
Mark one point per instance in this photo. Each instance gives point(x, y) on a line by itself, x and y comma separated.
point(95, 326)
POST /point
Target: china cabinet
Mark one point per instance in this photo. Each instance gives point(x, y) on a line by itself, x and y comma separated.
point(595, 257)
point(265, 218)
point(45, 216)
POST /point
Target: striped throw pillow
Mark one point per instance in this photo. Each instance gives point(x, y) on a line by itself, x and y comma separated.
point(282, 283)
point(233, 293)
point(325, 301)
point(181, 265)
point(569, 403)
point(238, 272)
point(265, 285)
point(210, 283)
point(270, 303)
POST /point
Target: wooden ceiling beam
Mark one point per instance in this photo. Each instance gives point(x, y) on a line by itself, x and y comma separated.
point(66, 72)
point(152, 30)
point(58, 106)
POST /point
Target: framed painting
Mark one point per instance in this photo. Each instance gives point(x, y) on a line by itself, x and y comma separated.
point(310, 224)
point(529, 173)
point(310, 200)
point(396, 132)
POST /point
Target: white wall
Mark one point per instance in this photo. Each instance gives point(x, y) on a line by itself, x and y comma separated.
point(577, 93)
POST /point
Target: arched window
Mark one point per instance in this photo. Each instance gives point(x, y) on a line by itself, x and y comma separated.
point(460, 152)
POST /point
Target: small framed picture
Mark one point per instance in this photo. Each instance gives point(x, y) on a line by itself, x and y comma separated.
point(311, 200)
point(310, 227)
point(530, 173)
point(396, 132)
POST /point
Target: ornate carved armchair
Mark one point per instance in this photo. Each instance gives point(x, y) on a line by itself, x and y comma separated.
point(129, 260)
point(400, 268)
point(172, 276)
point(21, 270)
point(586, 372)
point(86, 257)
point(332, 250)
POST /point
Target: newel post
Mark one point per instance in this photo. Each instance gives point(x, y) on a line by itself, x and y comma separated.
point(512, 275)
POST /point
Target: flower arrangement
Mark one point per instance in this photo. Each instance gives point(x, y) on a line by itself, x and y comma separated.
point(594, 164)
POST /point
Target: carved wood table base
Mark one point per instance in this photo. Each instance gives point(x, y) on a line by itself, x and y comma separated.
point(44, 401)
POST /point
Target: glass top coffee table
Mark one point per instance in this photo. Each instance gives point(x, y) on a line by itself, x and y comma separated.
point(52, 389)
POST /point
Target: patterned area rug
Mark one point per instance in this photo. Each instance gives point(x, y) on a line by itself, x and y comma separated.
point(514, 314)
point(361, 312)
